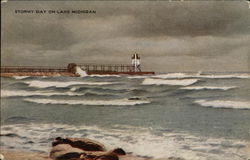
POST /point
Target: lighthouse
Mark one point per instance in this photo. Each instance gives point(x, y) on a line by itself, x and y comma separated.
point(136, 63)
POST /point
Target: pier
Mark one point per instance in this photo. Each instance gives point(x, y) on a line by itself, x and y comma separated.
point(74, 69)
point(71, 68)
point(15, 69)
point(9, 71)
point(106, 68)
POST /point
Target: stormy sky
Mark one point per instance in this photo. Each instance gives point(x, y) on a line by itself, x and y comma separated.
point(169, 36)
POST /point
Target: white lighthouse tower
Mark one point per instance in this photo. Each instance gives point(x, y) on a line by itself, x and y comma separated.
point(136, 63)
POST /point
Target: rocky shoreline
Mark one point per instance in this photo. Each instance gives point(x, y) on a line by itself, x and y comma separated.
point(11, 154)
point(75, 149)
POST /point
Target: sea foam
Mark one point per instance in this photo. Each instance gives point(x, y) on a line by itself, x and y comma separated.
point(175, 75)
point(225, 76)
point(21, 77)
point(198, 75)
point(103, 75)
point(208, 87)
point(117, 102)
point(59, 84)
point(224, 104)
point(138, 140)
point(81, 72)
point(180, 82)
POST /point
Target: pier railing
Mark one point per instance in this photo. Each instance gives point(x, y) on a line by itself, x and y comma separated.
point(106, 68)
point(15, 69)
point(85, 67)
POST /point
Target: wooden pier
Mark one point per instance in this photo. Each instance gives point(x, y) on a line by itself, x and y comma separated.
point(15, 69)
point(111, 69)
point(106, 68)
point(70, 70)
point(9, 71)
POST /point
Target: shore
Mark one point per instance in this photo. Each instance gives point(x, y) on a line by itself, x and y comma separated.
point(62, 146)
point(11, 154)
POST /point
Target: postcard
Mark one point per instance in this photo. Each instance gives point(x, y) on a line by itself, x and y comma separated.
point(125, 80)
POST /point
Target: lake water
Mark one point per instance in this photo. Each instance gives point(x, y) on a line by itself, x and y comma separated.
point(190, 115)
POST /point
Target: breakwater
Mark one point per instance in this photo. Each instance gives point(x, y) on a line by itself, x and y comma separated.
point(12, 69)
point(72, 69)
point(8, 71)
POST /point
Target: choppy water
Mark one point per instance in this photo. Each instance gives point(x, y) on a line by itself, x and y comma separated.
point(189, 115)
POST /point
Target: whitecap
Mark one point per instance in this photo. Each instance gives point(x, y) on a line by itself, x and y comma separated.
point(81, 72)
point(21, 77)
point(224, 104)
point(103, 75)
point(23, 93)
point(225, 76)
point(46, 84)
point(176, 75)
point(117, 102)
point(180, 82)
point(138, 140)
point(199, 75)
point(208, 87)
point(74, 89)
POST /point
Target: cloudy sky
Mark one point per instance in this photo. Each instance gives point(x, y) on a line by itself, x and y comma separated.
point(169, 36)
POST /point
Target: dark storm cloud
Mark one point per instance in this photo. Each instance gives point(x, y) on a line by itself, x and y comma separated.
point(177, 18)
point(195, 34)
point(166, 18)
point(202, 46)
point(148, 19)
point(193, 19)
point(47, 34)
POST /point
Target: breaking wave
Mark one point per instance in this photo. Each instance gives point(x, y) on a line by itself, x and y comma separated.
point(46, 84)
point(198, 75)
point(81, 72)
point(23, 93)
point(225, 76)
point(181, 82)
point(176, 75)
point(138, 140)
point(103, 75)
point(208, 87)
point(116, 102)
point(224, 104)
point(21, 77)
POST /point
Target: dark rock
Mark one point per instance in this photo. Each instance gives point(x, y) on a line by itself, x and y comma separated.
point(81, 143)
point(134, 98)
point(118, 151)
point(107, 157)
point(82, 149)
point(89, 156)
point(62, 149)
point(68, 156)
